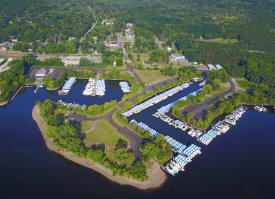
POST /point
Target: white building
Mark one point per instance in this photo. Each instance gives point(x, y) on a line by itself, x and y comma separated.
point(176, 57)
point(71, 60)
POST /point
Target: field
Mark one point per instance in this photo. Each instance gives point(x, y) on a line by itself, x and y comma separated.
point(220, 40)
point(151, 76)
point(103, 132)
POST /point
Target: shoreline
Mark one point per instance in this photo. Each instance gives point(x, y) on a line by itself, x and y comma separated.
point(156, 176)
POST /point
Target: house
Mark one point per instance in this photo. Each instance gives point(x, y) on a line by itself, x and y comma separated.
point(218, 67)
point(211, 67)
point(176, 57)
point(4, 46)
point(41, 73)
point(107, 22)
point(71, 38)
point(14, 40)
point(129, 25)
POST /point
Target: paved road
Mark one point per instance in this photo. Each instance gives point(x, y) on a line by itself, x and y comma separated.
point(200, 109)
point(83, 38)
point(134, 139)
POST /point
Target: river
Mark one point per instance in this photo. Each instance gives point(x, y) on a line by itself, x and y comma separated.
point(239, 164)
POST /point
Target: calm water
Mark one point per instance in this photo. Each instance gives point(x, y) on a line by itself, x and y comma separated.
point(239, 164)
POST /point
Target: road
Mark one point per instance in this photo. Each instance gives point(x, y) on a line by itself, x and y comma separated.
point(83, 38)
point(134, 138)
point(200, 109)
point(129, 67)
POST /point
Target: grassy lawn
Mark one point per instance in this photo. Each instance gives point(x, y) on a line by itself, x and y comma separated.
point(104, 133)
point(151, 76)
point(220, 40)
point(86, 125)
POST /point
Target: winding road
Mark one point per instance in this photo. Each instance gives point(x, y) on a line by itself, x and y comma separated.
point(83, 38)
point(134, 138)
point(200, 109)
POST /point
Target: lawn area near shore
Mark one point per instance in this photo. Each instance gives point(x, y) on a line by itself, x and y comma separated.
point(148, 76)
point(103, 132)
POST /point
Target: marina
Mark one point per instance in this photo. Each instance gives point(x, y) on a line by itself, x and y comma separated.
point(125, 87)
point(67, 86)
point(233, 147)
point(94, 87)
point(154, 100)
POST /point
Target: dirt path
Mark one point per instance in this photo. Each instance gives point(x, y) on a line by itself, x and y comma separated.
point(83, 38)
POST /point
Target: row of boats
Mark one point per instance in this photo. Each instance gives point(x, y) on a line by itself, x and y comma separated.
point(179, 162)
point(67, 86)
point(125, 87)
point(260, 108)
point(145, 127)
point(94, 87)
point(178, 124)
point(72, 105)
point(185, 154)
point(222, 126)
point(154, 100)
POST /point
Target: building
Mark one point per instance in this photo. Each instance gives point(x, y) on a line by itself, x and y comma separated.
point(218, 67)
point(93, 58)
point(41, 73)
point(177, 57)
point(211, 67)
point(71, 38)
point(111, 44)
point(129, 25)
point(2, 60)
point(108, 22)
point(71, 60)
point(4, 46)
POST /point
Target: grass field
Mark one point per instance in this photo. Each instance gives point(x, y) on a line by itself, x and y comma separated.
point(151, 76)
point(220, 40)
point(104, 133)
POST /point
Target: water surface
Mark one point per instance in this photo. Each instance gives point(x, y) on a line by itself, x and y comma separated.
point(239, 164)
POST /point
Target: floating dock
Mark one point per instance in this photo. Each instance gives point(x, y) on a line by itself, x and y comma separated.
point(67, 86)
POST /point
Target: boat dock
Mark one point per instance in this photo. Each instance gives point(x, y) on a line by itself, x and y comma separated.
point(67, 86)
point(125, 87)
point(222, 126)
point(94, 87)
point(154, 100)
point(178, 163)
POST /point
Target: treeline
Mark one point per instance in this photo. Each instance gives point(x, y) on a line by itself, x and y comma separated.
point(51, 20)
point(256, 94)
point(66, 136)
point(51, 83)
point(13, 78)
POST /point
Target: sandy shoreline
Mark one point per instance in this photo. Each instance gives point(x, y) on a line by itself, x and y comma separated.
point(156, 179)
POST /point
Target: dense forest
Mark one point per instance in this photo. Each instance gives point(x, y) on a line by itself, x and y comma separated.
point(51, 20)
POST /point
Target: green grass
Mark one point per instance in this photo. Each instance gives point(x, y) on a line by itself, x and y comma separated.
point(86, 125)
point(243, 83)
point(151, 76)
point(104, 133)
point(220, 40)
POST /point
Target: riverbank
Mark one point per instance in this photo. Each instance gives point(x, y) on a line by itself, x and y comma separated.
point(15, 94)
point(156, 179)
